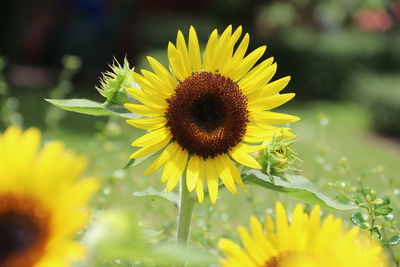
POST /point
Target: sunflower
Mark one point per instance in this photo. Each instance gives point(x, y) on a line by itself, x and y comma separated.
point(207, 113)
point(42, 204)
point(304, 242)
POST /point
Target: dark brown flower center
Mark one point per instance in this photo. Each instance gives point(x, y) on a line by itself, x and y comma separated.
point(18, 233)
point(207, 115)
point(23, 231)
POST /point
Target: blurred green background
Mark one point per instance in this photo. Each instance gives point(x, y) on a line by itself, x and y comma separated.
point(343, 57)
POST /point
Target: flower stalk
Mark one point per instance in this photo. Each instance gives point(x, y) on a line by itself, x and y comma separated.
point(185, 213)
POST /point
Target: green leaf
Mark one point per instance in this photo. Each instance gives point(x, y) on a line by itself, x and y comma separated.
point(134, 162)
point(145, 160)
point(385, 201)
point(158, 195)
point(131, 163)
point(358, 219)
point(90, 107)
point(149, 232)
point(385, 210)
point(296, 186)
point(116, 234)
point(357, 198)
point(394, 240)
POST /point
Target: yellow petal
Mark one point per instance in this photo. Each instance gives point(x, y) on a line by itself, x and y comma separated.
point(200, 189)
point(148, 123)
point(234, 172)
point(275, 87)
point(228, 69)
point(282, 226)
point(257, 77)
point(194, 50)
point(165, 155)
point(152, 137)
point(229, 50)
point(173, 169)
point(29, 142)
point(259, 237)
point(240, 154)
point(161, 71)
point(247, 63)
point(252, 248)
point(149, 100)
point(183, 52)
point(269, 102)
point(220, 54)
point(192, 172)
point(208, 52)
point(141, 81)
point(225, 173)
point(176, 62)
point(233, 250)
point(154, 147)
point(145, 110)
point(270, 227)
point(271, 117)
point(256, 133)
point(158, 85)
point(212, 180)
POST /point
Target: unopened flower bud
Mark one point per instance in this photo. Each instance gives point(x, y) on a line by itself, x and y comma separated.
point(114, 82)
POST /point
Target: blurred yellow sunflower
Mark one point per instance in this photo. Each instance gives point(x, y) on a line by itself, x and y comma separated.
point(42, 204)
point(304, 242)
point(205, 113)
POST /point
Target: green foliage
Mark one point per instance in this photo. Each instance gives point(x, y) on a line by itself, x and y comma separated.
point(71, 65)
point(296, 186)
point(394, 240)
point(381, 96)
point(322, 65)
point(9, 105)
point(90, 107)
point(376, 215)
point(117, 234)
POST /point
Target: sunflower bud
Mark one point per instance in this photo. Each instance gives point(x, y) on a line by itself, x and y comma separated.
point(278, 157)
point(113, 83)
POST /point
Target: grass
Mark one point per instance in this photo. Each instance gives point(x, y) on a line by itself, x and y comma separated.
point(331, 131)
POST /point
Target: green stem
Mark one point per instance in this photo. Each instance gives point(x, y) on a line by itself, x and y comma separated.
point(185, 213)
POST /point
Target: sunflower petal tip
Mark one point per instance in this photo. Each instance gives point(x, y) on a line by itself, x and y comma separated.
point(279, 205)
point(253, 219)
point(170, 45)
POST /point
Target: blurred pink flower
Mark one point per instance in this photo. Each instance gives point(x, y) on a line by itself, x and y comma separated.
point(373, 20)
